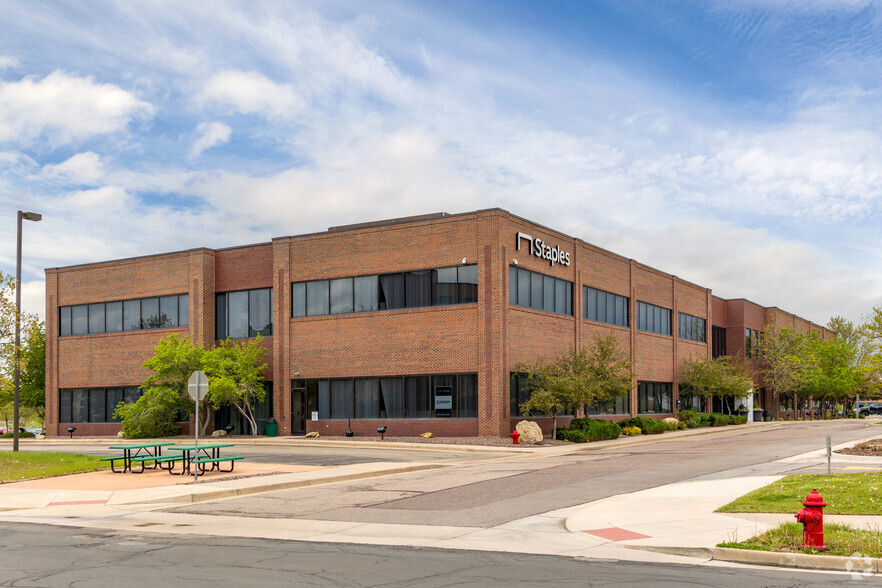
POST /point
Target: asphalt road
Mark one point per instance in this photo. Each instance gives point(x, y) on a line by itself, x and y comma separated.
point(45, 556)
point(495, 491)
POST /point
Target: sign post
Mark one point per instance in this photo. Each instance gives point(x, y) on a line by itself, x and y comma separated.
point(197, 388)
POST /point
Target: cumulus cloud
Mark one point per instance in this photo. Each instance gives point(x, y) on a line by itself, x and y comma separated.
point(82, 168)
point(210, 135)
point(7, 61)
point(107, 198)
point(250, 93)
point(63, 109)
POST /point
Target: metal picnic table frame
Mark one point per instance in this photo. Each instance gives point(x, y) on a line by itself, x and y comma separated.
point(210, 450)
point(140, 450)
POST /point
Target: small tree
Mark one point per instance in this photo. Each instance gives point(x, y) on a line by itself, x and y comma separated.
point(721, 376)
point(551, 390)
point(33, 371)
point(784, 358)
point(174, 360)
point(153, 415)
point(236, 377)
point(604, 373)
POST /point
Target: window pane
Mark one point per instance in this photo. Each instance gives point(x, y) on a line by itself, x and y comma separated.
point(512, 284)
point(468, 283)
point(260, 312)
point(366, 398)
point(341, 296)
point(548, 293)
point(418, 397)
point(114, 396)
point(64, 404)
point(184, 310)
point(365, 293)
point(467, 396)
point(220, 316)
point(560, 296)
point(569, 292)
point(150, 313)
point(317, 298)
point(601, 307)
point(666, 321)
point(523, 287)
point(96, 318)
point(611, 308)
point(620, 311)
point(341, 399)
point(113, 317)
point(132, 315)
point(131, 395)
point(80, 406)
point(168, 311)
point(298, 299)
point(446, 286)
point(97, 406)
point(418, 288)
point(65, 321)
point(391, 291)
point(79, 319)
point(590, 303)
point(391, 398)
point(537, 285)
point(324, 398)
point(237, 315)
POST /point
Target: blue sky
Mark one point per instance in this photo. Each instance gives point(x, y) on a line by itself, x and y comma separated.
point(735, 144)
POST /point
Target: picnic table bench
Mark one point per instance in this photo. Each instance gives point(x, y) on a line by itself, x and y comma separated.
point(136, 453)
point(208, 454)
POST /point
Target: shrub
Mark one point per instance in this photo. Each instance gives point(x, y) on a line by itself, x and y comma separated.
point(737, 419)
point(153, 415)
point(685, 415)
point(717, 419)
point(705, 420)
point(21, 435)
point(694, 423)
point(631, 431)
point(648, 425)
point(681, 426)
point(572, 435)
point(596, 429)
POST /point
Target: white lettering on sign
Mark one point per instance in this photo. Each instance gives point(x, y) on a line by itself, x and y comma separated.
point(544, 250)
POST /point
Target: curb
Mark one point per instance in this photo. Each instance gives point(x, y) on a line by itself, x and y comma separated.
point(854, 565)
point(204, 493)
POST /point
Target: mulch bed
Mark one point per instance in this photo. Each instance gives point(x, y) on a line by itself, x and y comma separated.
point(869, 448)
point(481, 441)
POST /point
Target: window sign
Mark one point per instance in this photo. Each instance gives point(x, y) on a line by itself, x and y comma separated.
point(443, 401)
point(315, 415)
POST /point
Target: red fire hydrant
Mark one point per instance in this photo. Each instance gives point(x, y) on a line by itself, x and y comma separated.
point(812, 518)
point(514, 437)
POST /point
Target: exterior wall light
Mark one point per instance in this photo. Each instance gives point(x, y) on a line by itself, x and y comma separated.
point(382, 431)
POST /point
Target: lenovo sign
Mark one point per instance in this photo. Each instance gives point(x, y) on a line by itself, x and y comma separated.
point(543, 250)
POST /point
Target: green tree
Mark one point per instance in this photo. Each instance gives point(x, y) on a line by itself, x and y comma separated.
point(174, 360)
point(32, 394)
point(153, 415)
point(551, 390)
point(723, 376)
point(236, 376)
point(606, 371)
point(786, 362)
point(871, 365)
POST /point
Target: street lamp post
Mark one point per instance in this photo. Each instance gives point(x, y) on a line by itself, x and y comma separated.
point(31, 216)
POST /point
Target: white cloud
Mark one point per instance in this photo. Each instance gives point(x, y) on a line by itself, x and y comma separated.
point(82, 168)
point(33, 298)
point(62, 109)
point(210, 135)
point(6, 61)
point(251, 93)
point(105, 199)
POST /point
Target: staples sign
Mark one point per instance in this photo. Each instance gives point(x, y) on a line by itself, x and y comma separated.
point(544, 250)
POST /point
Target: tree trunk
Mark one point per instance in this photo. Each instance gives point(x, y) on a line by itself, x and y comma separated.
point(554, 427)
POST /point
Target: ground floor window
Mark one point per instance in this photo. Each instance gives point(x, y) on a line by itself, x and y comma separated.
point(393, 397)
point(230, 415)
point(689, 401)
point(93, 405)
point(654, 397)
point(785, 402)
point(519, 393)
point(618, 405)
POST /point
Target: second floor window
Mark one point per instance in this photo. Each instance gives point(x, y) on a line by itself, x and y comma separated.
point(244, 314)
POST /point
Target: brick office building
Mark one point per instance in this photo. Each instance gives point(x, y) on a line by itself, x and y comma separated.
point(416, 323)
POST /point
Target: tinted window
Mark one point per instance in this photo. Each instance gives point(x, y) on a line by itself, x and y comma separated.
point(150, 318)
point(446, 291)
point(260, 312)
point(468, 283)
point(341, 296)
point(132, 315)
point(113, 317)
point(168, 311)
point(418, 289)
point(365, 293)
point(184, 310)
point(65, 321)
point(79, 317)
point(317, 298)
point(512, 284)
point(237, 315)
point(391, 291)
point(298, 299)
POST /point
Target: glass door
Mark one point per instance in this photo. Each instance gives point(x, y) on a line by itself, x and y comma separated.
point(298, 420)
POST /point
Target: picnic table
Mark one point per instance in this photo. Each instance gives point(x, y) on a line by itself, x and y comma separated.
point(136, 453)
point(208, 453)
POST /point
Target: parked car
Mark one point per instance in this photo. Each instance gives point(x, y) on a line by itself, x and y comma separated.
point(870, 408)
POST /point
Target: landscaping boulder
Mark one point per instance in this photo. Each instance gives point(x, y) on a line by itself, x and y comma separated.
point(219, 433)
point(312, 435)
point(39, 436)
point(529, 432)
point(427, 435)
point(120, 435)
point(671, 421)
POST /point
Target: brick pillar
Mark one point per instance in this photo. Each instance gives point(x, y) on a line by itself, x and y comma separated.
point(632, 304)
point(51, 419)
point(675, 333)
point(281, 359)
point(493, 384)
point(202, 309)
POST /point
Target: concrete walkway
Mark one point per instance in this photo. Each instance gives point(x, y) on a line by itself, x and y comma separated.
point(674, 523)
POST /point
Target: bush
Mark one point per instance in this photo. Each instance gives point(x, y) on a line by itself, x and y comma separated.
point(685, 415)
point(22, 435)
point(681, 426)
point(153, 415)
point(717, 419)
point(737, 419)
point(631, 431)
point(573, 435)
point(694, 423)
point(648, 425)
point(596, 429)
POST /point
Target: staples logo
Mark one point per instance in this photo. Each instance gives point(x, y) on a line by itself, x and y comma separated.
point(542, 250)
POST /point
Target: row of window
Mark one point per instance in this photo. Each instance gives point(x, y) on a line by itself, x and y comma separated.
point(692, 328)
point(652, 398)
point(93, 405)
point(604, 307)
point(415, 289)
point(534, 290)
point(398, 397)
point(160, 312)
point(653, 319)
point(244, 314)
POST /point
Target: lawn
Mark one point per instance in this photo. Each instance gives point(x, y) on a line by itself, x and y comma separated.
point(839, 539)
point(17, 466)
point(857, 494)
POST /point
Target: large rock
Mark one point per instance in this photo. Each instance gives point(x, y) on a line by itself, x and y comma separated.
point(671, 421)
point(219, 433)
point(530, 432)
point(312, 435)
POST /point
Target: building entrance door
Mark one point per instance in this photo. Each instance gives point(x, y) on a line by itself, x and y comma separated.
point(298, 415)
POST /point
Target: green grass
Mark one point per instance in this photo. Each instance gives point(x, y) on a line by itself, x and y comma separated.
point(839, 539)
point(17, 466)
point(858, 494)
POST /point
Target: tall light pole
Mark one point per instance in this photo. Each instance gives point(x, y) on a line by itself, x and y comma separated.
point(31, 216)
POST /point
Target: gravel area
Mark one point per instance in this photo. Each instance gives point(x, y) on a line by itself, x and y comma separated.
point(481, 441)
point(870, 448)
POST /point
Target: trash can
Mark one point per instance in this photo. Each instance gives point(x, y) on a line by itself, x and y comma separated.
point(271, 428)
